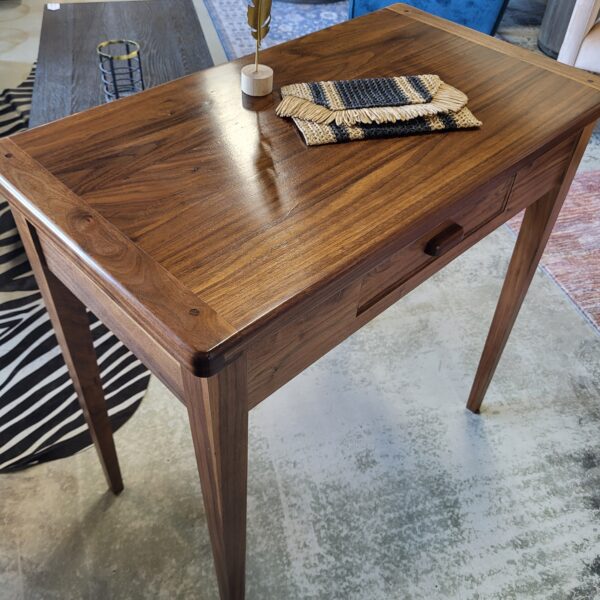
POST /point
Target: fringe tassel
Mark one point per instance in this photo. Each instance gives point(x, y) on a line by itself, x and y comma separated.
point(447, 99)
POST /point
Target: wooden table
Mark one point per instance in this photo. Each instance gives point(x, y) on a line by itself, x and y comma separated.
point(67, 76)
point(229, 256)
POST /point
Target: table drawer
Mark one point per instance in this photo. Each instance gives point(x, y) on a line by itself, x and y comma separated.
point(401, 266)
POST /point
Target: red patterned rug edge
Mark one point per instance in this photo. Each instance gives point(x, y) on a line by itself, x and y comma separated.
point(572, 256)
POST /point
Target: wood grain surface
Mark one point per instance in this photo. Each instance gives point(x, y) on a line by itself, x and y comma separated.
point(68, 79)
point(221, 196)
point(130, 277)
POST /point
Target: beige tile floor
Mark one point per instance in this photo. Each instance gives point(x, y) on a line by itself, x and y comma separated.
point(20, 24)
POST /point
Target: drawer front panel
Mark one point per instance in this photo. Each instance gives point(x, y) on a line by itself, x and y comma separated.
point(398, 268)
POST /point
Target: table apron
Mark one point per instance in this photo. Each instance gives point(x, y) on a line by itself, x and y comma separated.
point(131, 333)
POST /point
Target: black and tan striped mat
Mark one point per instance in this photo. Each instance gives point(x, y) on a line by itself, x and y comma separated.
point(329, 112)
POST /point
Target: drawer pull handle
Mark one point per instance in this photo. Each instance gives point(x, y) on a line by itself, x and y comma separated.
point(445, 240)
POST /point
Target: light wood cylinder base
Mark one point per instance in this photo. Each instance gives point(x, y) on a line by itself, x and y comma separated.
point(257, 82)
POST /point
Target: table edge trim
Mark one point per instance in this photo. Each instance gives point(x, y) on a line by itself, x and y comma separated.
point(81, 231)
point(580, 76)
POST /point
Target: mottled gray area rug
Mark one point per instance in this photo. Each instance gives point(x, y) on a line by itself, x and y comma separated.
point(367, 478)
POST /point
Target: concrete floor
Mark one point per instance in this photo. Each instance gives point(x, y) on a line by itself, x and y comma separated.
point(367, 477)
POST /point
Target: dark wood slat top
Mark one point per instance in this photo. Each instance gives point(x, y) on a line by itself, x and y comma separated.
point(223, 197)
point(68, 79)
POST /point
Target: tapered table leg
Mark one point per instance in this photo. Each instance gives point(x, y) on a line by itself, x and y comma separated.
point(71, 327)
point(534, 233)
point(218, 412)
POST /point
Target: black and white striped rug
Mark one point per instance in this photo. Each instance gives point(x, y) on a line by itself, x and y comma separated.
point(40, 418)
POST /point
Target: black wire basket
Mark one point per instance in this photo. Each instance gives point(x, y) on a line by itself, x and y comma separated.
point(120, 68)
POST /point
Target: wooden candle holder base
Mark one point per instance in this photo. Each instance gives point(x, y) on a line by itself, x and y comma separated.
point(257, 82)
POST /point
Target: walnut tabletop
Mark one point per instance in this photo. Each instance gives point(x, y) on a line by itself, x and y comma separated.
point(230, 256)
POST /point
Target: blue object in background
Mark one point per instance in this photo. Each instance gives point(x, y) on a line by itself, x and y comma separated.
point(483, 15)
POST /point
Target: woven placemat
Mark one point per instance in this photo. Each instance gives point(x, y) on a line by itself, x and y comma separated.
point(329, 112)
